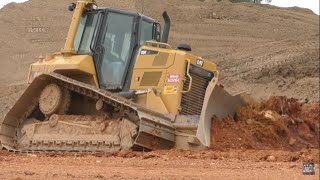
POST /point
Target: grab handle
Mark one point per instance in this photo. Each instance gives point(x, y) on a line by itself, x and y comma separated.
point(189, 76)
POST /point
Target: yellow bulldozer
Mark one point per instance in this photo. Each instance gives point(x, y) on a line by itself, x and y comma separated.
point(117, 85)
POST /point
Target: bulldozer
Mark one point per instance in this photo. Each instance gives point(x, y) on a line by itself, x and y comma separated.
point(117, 85)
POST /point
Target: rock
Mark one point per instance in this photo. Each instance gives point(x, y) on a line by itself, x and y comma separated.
point(292, 165)
point(215, 156)
point(70, 175)
point(31, 155)
point(99, 176)
point(303, 101)
point(165, 158)
point(28, 173)
point(308, 136)
point(269, 115)
point(271, 159)
point(150, 155)
point(249, 121)
point(303, 129)
point(98, 161)
point(292, 141)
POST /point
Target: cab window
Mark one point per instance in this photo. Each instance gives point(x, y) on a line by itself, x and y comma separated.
point(146, 31)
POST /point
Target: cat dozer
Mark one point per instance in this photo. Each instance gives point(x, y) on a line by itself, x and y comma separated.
point(117, 85)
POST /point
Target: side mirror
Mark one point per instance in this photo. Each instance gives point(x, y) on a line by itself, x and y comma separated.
point(71, 7)
point(156, 33)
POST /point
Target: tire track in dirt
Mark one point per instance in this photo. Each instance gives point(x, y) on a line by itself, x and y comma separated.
point(252, 65)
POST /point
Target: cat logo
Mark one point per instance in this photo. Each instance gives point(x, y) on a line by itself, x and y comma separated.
point(143, 52)
point(200, 62)
point(148, 52)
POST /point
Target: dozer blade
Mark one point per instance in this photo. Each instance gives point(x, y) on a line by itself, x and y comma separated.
point(219, 103)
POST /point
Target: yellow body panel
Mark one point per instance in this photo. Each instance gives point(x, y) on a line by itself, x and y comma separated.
point(72, 66)
point(164, 70)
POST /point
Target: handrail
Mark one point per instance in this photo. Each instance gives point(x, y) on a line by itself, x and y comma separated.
point(189, 76)
point(78, 11)
point(158, 44)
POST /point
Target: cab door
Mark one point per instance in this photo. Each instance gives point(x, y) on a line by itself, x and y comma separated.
point(114, 49)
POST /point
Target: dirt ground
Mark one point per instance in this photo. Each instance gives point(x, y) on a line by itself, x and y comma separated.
point(153, 165)
point(269, 52)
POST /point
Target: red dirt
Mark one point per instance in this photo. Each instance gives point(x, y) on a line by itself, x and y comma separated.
point(234, 164)
point(277, 123)
point(260, 49)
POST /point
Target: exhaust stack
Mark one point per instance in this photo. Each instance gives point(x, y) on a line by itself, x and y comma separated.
point(166, 28)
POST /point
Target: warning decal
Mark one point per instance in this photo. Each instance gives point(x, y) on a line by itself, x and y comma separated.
point(170, 90)
point(173, 78)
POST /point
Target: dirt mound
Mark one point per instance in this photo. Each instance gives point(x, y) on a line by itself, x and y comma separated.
point(277, 123)
point(260, 49)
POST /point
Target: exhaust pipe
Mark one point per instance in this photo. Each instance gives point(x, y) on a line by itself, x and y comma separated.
point(166, 28)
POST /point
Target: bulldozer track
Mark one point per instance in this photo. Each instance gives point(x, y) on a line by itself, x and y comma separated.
point(155, 130)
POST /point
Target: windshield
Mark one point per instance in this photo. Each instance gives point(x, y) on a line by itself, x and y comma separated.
point(117, 49)
point(86, 32)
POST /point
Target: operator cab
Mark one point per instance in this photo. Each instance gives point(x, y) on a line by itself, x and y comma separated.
point(112, 37)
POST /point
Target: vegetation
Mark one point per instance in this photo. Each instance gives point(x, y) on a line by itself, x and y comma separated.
point(252, 1)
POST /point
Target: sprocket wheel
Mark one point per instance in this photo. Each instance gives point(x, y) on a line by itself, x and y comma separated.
point(54, 100)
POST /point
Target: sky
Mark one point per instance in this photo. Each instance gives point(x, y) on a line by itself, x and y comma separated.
point(4, 2)
point(310, 4)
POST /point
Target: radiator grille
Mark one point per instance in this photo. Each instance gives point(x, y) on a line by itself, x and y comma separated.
point(191, 102)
